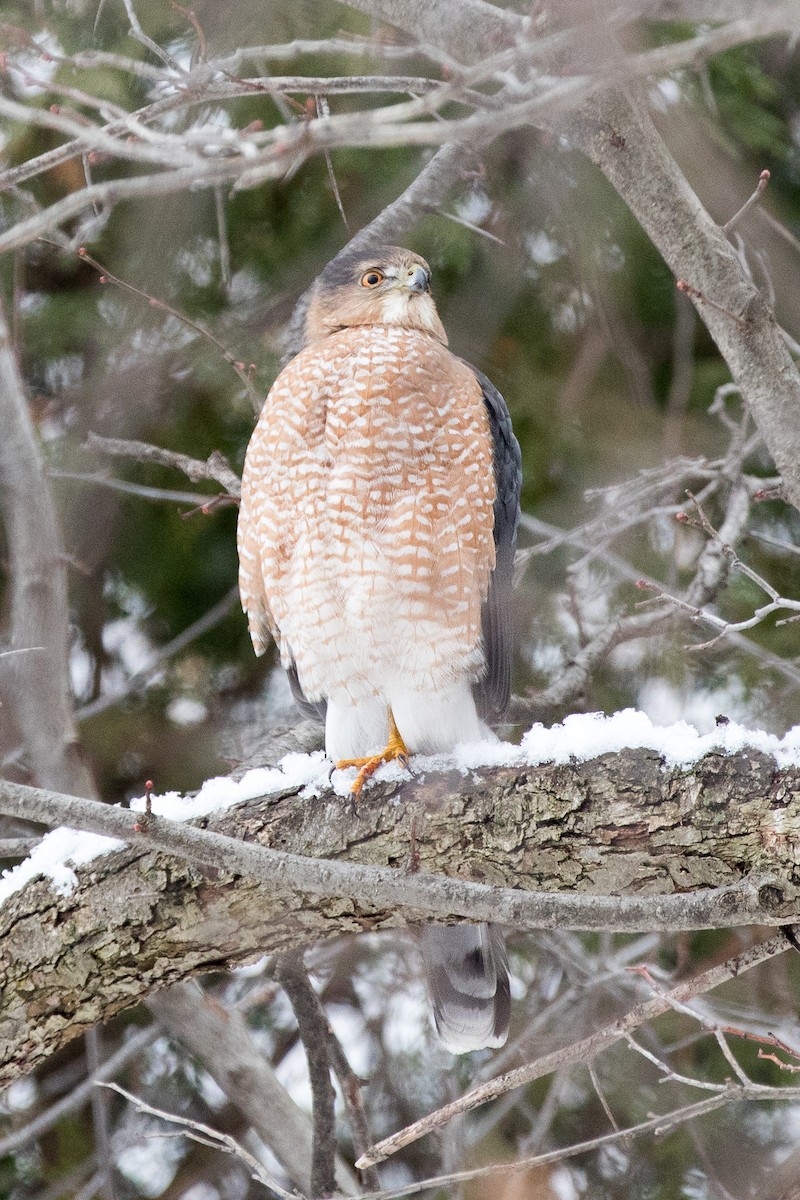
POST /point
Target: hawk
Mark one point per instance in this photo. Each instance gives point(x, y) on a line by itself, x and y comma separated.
point(377, 530)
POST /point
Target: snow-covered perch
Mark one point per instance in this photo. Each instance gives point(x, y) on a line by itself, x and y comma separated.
point(603, 823)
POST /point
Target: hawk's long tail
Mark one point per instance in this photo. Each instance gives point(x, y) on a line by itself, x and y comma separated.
point(467, 972)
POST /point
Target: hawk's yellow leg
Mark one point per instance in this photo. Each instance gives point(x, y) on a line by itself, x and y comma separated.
point(395, 749)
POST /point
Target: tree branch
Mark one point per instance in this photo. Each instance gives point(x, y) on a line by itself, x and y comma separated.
point(215, 467)
point(312, 1028)
point(579, 845)
point(617, 134)
point(657, 1125)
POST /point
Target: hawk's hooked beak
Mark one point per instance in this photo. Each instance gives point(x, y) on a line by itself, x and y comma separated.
point(417, 280)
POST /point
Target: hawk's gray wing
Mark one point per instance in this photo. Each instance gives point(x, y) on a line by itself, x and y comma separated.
point(492, 691)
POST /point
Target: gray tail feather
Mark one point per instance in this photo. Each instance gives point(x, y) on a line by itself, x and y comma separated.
point(467, 971)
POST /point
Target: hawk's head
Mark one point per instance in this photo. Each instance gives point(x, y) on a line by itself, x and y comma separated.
point(383, 286)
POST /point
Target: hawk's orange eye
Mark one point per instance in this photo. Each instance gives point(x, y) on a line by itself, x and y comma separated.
point(372, 279)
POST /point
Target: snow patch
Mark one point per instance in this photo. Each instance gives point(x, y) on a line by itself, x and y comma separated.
point(584, 736)
point(294, 771)
point(55, 857)
point(62, 850)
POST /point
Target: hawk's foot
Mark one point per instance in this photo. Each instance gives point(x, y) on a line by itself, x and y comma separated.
point(395, 750)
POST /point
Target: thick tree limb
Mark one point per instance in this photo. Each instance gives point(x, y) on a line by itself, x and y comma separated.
point(624, 841)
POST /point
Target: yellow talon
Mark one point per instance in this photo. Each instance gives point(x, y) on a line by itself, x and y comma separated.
point(395, 749)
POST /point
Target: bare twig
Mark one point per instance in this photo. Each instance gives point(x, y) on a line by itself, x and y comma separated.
point(657, 1125)
point(239, 367)
point(80, 1095)
point(207, 1136)
point(153, 47)
point(727, 555)
point(215, 466)
point(143, 677)
point(602, 1097)
point(761, 187)
point(323, 110)
point(131, 489)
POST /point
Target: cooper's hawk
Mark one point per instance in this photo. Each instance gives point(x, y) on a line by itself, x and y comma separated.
point(377, 530)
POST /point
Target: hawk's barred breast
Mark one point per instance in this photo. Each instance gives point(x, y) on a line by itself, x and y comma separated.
point(366, 524)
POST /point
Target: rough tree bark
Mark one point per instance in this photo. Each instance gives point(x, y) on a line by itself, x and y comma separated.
point(622, 824)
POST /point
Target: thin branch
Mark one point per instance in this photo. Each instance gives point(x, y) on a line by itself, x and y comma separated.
point(710, 571)
point(725, 555)
point(80, 1095)
point(323, 110)
point(195, 326)
point(131, 489)
point(484, 233)
point(223, 239)
point(207, 1136)
point(669, 1074)
point(722, 1042)
point(143, 677)
point(395, 125)
point(761, 187)
point(602, 1097)
point(302, 47)
point(153, 47)
point(215, 467)
point(658, 1125)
